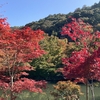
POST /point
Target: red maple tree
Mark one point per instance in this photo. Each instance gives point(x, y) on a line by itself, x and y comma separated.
point(82, 65)
point(82, 59)
point(16, 48)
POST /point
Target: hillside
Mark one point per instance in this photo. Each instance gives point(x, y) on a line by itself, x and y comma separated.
point(52, 24)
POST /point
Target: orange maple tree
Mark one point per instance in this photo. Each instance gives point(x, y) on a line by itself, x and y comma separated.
point(16, 48)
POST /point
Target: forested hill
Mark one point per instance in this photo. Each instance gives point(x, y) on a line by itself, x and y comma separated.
point(52, 24)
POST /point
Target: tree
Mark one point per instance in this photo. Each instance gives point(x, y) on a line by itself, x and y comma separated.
point(66, 90)
point(18, 47)
point(49, 62)
point(83, 65)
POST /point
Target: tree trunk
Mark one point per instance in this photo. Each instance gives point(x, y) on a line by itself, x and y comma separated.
point(92, 90)
point(11, 91)
point(87, 90)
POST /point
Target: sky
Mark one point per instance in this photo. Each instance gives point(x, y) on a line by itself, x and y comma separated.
point(21, 12)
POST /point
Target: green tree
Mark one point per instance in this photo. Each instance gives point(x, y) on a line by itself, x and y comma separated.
point(47, 64)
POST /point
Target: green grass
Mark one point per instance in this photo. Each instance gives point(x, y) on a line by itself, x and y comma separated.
point(96, 91)
point(46, 96)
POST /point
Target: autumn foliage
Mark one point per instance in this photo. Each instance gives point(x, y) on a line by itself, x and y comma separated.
point(66, 90)
point(16, 48)
point(83, 64)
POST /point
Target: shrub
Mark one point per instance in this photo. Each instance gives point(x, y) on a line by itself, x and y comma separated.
point(66, 90)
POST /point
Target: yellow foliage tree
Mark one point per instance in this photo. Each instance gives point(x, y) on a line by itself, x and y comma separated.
point(66, 90)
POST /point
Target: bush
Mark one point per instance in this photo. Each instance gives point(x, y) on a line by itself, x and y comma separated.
point(66, 90)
